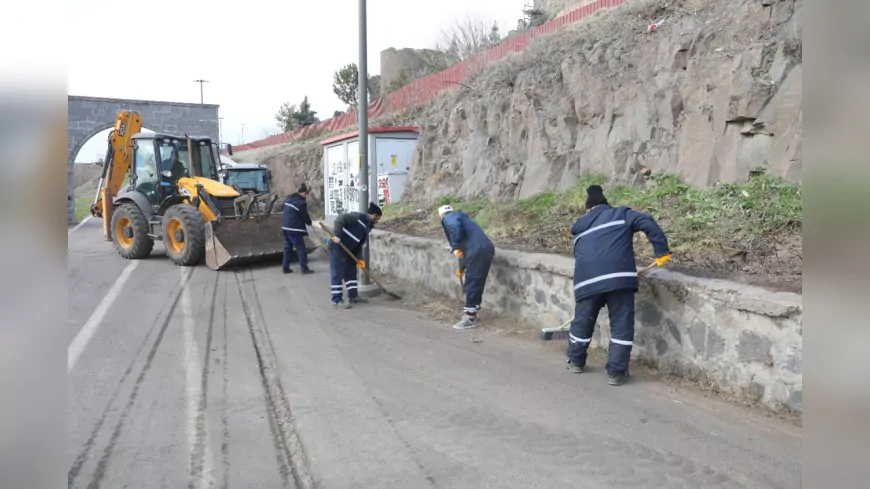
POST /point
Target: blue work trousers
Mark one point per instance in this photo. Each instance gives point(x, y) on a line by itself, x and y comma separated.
point(620, 308)
point(476, 271)
point(342, 268)
point(294, 240)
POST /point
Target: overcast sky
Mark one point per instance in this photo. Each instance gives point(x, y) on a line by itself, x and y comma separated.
point(257, 54)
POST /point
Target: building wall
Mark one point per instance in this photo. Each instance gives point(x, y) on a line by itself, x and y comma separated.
point(413, 62)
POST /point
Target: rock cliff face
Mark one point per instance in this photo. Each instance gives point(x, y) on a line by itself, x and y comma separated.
point(712, 94)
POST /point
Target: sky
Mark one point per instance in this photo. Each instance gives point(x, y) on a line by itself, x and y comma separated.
point(256, 54)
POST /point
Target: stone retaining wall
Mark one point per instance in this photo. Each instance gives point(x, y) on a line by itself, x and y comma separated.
point(743, 340)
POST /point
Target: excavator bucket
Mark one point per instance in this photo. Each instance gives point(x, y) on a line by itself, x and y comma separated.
point(234, 242)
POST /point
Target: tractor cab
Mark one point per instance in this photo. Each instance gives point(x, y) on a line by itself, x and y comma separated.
point(250, 178)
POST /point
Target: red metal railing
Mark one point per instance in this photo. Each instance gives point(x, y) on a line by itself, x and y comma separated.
point(423, 90)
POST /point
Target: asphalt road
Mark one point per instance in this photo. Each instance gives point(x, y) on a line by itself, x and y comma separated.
point(185, 377)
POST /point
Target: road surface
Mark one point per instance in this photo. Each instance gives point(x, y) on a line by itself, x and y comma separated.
point(186, 377)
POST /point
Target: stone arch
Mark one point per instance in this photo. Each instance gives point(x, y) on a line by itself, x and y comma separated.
point(88, 116)
point(74, 152)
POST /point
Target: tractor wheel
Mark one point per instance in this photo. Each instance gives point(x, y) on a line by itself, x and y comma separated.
point(184, 235)
point(130, 232)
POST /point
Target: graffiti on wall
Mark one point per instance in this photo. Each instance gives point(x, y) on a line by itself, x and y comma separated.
point(336, 184)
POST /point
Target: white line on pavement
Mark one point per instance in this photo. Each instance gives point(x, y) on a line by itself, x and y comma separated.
point(80, 342)
point(193, 390)
point(82, 223)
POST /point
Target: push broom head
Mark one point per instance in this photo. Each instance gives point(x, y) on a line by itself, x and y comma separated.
point(553, 335)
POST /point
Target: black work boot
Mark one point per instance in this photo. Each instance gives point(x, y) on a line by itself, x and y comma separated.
point(307, 271)
point(573, 367)
point(287, 270)
point(616, 378)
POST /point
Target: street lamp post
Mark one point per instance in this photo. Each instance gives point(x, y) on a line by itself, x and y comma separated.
point(243, 133)
point(362, 110)
point(220, 131)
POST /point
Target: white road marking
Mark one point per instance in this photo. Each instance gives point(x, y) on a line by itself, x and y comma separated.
point(82, 223)
point(193, 387)
point(80, 342)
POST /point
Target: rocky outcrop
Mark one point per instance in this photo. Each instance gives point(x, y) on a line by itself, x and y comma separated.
point(712, 94)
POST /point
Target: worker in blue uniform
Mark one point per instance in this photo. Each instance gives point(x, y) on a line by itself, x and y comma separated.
point(605, 273)
point(294, 220)
point(475, 251)
point(352, 230)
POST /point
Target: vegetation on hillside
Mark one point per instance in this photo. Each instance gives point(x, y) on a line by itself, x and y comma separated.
point(750, 228)
point(290, 116)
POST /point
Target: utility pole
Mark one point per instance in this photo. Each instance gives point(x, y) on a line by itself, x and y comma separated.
point(243, 133)
point(201, 99)
point(220, 132)
point(363, 112)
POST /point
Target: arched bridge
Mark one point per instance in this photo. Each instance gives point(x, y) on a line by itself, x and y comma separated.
point(88, 116)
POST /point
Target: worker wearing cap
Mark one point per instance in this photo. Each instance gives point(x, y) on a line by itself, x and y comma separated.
point(605, 273)
point(294, 220)
point(352, 230)
point(475, 251)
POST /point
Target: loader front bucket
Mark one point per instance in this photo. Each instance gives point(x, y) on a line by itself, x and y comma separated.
point(234, 242)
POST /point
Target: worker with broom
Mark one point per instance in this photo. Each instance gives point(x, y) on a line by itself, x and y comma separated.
point(352, 230)
point(475, 251)
point(605, 273)
point(294, 220)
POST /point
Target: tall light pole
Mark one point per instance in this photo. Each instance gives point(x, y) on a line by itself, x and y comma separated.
point(363, 112)
point(243, 133)
point(201, 99)
point(220, 132)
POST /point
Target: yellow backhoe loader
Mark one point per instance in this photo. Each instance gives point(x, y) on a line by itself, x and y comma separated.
point(161, 187)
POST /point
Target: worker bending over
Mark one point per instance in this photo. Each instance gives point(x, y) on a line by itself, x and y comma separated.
point(294, 220)
point(351, 229)
point(605, 273)
point(475, 251)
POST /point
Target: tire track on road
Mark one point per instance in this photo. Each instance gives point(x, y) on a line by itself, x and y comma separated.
point(225, 425)
point(84, 455)
point(200, 457)
point(289, 451)
point(103, 464)
point(316, 315)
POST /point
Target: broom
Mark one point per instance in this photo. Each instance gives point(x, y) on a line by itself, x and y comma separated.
point(561, 332)
point(368, 273)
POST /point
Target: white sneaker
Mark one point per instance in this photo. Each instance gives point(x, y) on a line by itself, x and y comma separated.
point(466, 323)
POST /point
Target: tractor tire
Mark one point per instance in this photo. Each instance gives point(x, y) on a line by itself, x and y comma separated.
point(130, 232)
point(184, 235)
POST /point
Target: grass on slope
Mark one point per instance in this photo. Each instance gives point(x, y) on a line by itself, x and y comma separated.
point(745, 230)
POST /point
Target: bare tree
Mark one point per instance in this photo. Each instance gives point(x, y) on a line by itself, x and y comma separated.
point(467, 36)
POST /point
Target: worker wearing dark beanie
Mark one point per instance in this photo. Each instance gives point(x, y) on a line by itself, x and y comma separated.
point(350, 232)
point(595, 196)
point(605, 273)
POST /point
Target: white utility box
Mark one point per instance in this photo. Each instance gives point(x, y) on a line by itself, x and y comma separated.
point(391, 150)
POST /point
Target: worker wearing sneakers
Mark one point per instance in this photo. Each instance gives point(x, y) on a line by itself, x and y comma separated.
point(293, 221)
point(605, 273)
point(475, 251)
point(352, 230)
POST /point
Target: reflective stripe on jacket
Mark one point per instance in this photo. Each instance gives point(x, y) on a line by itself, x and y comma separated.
point(604, 251)
point(295, 216)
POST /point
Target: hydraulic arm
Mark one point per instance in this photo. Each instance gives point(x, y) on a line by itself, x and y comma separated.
point(116, 164)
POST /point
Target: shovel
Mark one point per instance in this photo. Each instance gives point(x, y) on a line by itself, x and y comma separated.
point(561, 332)
point(368, 273)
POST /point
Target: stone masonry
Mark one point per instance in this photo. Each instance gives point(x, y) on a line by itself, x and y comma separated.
point(87, 116)
point(742, 340)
